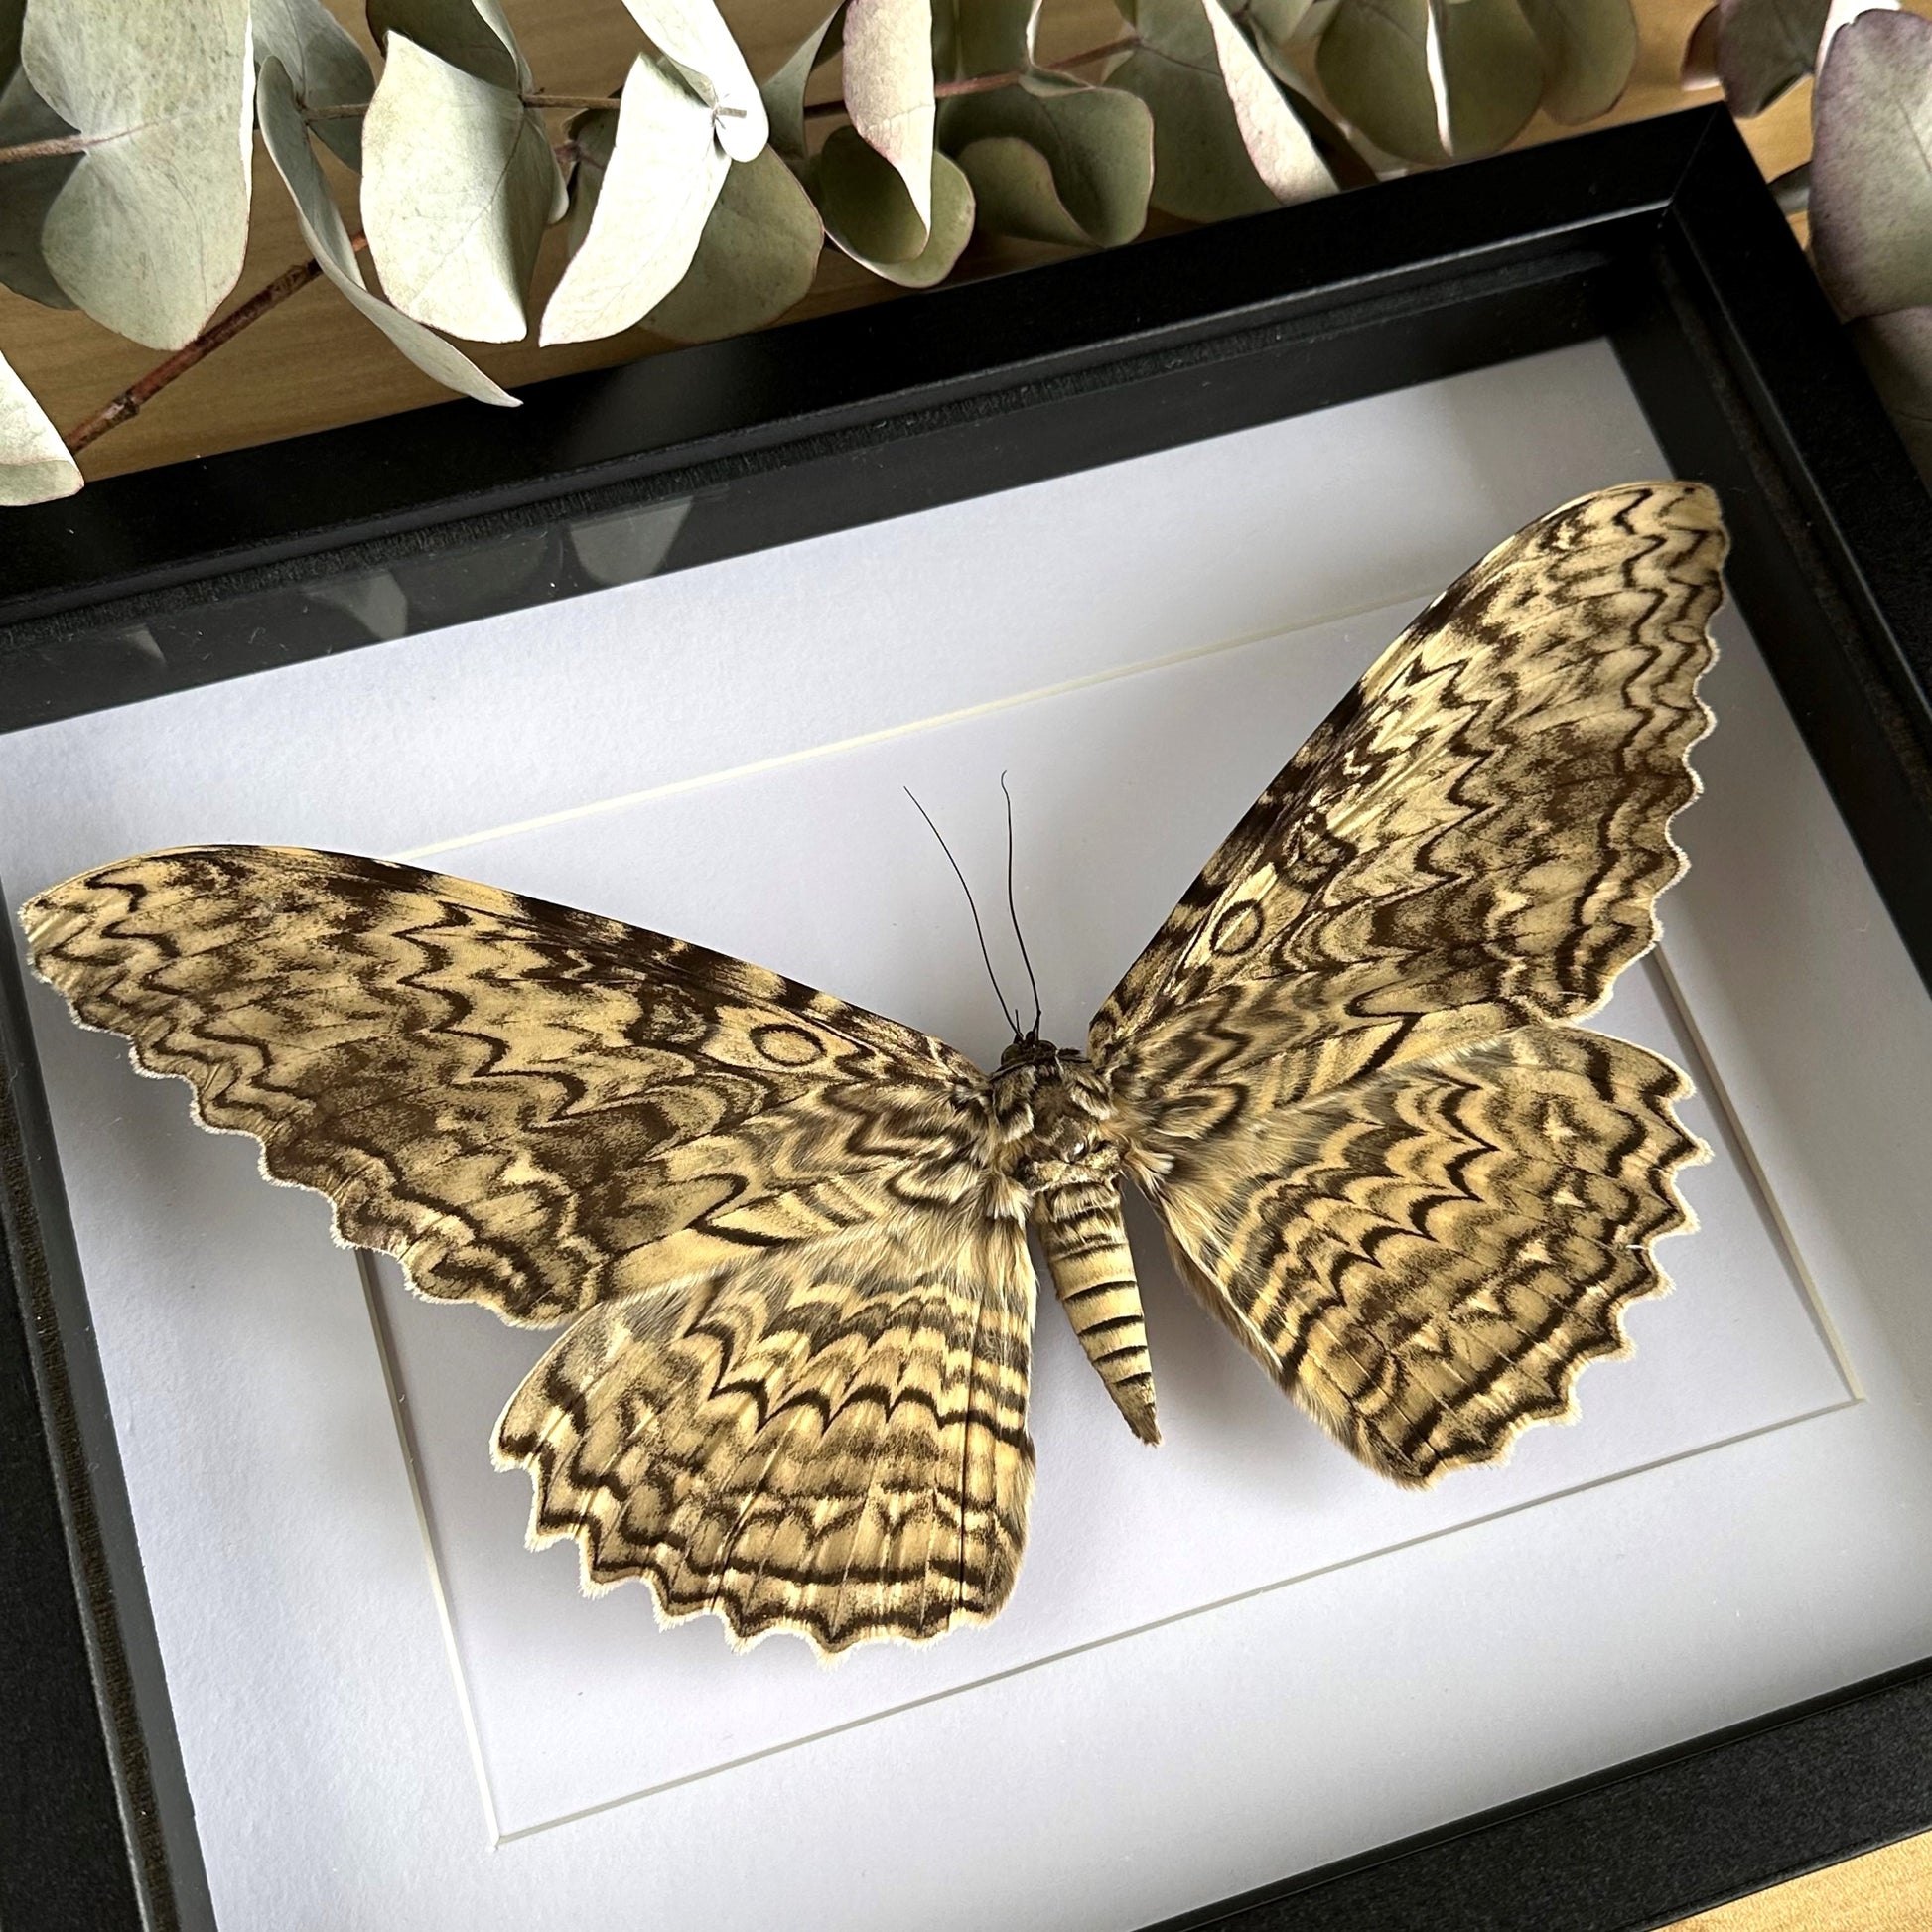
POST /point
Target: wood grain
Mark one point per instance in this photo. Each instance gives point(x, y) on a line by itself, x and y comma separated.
point(1887, 1890)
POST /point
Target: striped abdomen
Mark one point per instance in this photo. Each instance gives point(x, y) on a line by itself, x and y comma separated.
point(1080, 1228)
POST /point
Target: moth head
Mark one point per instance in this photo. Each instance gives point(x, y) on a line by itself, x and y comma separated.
point(1029, 1049)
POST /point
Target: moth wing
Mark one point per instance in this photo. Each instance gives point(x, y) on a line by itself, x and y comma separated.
point(528, 1106)
point(827, 1439)
point(1425, 1257)
point(1342, 1068)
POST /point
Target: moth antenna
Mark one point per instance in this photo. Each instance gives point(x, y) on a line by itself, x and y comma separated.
point(1013, 913)
point(1012, 1019)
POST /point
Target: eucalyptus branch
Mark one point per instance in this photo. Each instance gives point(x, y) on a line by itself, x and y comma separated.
point(944, 91)
point(984, 84)
point(55, 144)
point(354, 110)
point(135, 397)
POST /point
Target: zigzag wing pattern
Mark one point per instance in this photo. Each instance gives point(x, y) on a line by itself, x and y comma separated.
point(1425, 1258)
point(1476, 837)
point(1337, 1062)
point(830, 1441)
point(795, 1392)
point(527, 1106)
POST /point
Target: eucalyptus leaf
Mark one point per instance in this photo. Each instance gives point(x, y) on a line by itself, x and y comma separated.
point(1087, 166)
point(458, 182)
point(324, 65)
point(1276, 142)
point(1432, 82)
point(757, 257)
point(1491, 69)
point(1898, 354)
point(34, 466)
point(784, 93)
point(593, 134)
point(1589, 48)
point(1283, 23)
point(869, 213)
point(1842, 13)
point(1013, 191)
point(286, 137)
point(888, 90)
point(148, 232)
point(29, 188)
point(664, 174)
point(693, 37)
point(1373, 62)
point(983, 37)
point(1225, 140)
point(1872, 166)
point(472, 35)
point(1766, 48)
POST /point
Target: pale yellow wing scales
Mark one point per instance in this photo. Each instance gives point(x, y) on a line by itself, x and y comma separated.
point(528, 1106)
point(1425, 1258)
point(1344, 1070)
point(829, 1440)
point(796, 1390)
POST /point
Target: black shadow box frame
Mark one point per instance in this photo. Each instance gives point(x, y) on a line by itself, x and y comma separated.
point(1659, 236)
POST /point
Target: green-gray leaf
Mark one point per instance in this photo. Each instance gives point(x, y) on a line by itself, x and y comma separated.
point(1492, 73)
point(469, 34)
point(1225, 141)
point(1054, 161)
point(888, 89)
point(757, 257)
point(34, 463)
point(287, 140)
point(459, 184)
point(1286, 22)
point(148, 232)
point(1589, 48)
point(693, 37)
point(1375, 61)
point(29, 188)
point(1766, 48)
point(982, 36)
point(1897, 351)
point(784, 93)
point(1872, 166)
point(324, 64)
point(593, 134)
point(869, 213)
point(1374, 65)
point(663, 175)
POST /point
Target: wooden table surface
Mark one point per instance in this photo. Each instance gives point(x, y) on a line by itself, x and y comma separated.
point(314, 363)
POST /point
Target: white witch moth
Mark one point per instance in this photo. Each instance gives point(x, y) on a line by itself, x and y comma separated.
point(789, 1236)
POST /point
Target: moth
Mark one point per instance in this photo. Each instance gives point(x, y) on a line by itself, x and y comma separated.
point(789, 1237)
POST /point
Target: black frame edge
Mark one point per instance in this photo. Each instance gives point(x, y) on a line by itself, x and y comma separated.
point(1774, 1798)
point(96, 1825)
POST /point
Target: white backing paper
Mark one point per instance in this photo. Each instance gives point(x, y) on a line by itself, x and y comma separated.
point(1227, 1659)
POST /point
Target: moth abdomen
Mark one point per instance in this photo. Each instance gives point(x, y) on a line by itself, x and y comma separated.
point(1057, 1113)
point(1080, 1227)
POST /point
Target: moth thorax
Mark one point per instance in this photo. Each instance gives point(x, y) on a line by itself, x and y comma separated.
point(1051, 1109)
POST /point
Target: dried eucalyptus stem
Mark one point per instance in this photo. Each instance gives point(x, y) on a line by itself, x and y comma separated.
point(130, 402)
